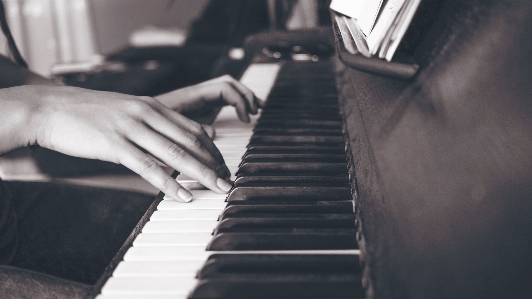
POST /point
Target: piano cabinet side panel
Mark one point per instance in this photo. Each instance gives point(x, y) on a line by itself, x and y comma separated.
point(443, 164)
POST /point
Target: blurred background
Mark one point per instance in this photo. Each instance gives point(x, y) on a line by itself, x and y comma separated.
point(77, 36)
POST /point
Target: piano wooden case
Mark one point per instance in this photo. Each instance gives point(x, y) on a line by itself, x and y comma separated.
point(443, 162)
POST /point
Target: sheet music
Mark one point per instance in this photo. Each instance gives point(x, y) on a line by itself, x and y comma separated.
point(364, 11)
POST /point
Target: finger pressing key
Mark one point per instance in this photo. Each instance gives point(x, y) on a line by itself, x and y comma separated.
point(151, 171)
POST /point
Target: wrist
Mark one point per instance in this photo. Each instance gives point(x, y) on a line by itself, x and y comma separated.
point(16, 121)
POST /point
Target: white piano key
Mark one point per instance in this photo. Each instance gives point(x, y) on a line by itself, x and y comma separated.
point(132, 296)
point(172, 239)
point(203, 194)
point(148, 285)
point(167, 253)
point(185, 214)
point(207, 194)
point(184, 226)
point(157, 269)
point(170, 204)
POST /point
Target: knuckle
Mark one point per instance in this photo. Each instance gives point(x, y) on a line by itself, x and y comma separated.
point(196, 128)
point(175, 152)
point(168, 182)
point(207, 173)
point(139, 107)
point(148, 165)
point(193, 140)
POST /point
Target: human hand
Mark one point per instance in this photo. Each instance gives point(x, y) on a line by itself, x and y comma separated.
point(133, 131)
point(203, 101)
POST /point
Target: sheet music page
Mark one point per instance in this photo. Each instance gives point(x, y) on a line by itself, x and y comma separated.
point(386, 19)
point(400, 30)
point(364, 11)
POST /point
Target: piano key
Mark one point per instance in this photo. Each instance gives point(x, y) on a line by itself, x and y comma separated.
point(166, 253)
point(285, 221)
point(148, 285)
point(235, 207)
point(184, 226)
point(320, 167)
point(221, 264)
point(202, 195)
point(283, 239)
point(289, 192)
point(172, 239)
point(136, 296)
point(170, 204)
point(288, 139)
point(185, 215)
point(280, 286)
point(290, 178)
point(158, 269)
point(294, 148)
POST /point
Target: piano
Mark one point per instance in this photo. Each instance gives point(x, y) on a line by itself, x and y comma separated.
point(358, 184)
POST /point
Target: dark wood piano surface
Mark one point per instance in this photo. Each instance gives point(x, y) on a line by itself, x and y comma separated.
point(443, 163)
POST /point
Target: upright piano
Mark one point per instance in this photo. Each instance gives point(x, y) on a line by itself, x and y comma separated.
point(356, 183)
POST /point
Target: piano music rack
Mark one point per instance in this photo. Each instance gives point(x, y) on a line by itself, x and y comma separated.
point(402, 67)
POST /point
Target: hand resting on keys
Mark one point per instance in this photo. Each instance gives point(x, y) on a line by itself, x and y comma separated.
point(137, 132)
point(203, 101)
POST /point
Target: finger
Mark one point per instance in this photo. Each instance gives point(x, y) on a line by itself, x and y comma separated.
point(235, 99)
point(250, 97)
point(179, 159)
point(184, 132)
point(198, 132)
point(148, 168)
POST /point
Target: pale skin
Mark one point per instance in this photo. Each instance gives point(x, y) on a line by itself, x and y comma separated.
point(128, 130)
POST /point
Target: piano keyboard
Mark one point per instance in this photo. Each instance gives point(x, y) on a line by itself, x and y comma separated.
point(286, 229)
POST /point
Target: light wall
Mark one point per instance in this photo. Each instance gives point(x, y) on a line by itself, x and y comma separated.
point(61, 31)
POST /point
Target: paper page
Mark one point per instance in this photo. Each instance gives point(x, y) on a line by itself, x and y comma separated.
point(386, 19)
point(400, 31)
point(364, 11)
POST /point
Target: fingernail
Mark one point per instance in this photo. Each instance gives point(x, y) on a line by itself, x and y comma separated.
point(225, 186)
point(184, 195)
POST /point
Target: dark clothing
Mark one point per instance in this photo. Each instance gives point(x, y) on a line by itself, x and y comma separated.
point(8, 227)
point(66, 235)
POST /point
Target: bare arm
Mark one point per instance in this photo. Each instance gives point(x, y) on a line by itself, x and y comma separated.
point(112, 127)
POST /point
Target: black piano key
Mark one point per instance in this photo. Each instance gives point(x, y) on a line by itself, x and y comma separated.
point(221, 264)
point(299, 138)
point(322, 158)
point(288, 220)
point(290, 192)
point(283, 155)
point(268, 286)
point(284, 178)
point(247, 207)
point(295, 131)
point(300, 116)
point(302, 123)
point(293, 148)
point(287, 166)
point(284, 239)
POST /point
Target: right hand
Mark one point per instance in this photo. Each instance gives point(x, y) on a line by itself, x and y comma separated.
point(122, 129)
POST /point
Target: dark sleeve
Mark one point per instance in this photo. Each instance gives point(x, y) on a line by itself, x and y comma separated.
point(8, 226)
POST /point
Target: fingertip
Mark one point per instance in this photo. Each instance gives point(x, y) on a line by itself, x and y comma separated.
point(223, 185)
point(260, 103)
point(184, 195)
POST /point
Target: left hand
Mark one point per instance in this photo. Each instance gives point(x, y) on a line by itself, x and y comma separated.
point(202, 102)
